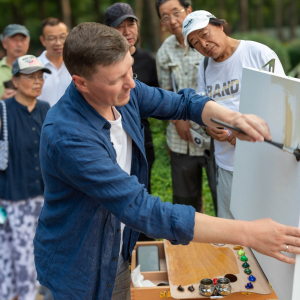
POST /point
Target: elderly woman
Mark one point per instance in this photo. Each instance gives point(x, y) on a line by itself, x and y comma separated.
point(21, 183)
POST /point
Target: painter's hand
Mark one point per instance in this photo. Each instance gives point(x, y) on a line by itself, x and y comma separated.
point(256, 129)
point(8, 93)
point(271, 238)
point(231, 139)
point(217, 134)
point(183, 129)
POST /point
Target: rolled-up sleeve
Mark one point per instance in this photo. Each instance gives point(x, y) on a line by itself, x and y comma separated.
point(183, 222)
point(166, 105)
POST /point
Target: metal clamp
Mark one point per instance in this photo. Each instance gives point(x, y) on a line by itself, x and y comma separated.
point(165, 295)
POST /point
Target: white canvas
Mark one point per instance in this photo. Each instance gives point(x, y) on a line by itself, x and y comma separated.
point(266, 180)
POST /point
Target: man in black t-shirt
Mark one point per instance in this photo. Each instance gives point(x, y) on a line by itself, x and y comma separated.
point(122, 17)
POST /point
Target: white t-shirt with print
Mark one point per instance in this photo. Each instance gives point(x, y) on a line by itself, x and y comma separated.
point(224, 83)
point(122, 143)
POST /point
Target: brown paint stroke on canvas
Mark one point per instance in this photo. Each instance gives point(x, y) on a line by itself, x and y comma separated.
point(289, 90)
point(288, 129)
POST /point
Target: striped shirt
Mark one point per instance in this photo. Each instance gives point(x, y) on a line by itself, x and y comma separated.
point(177, 68)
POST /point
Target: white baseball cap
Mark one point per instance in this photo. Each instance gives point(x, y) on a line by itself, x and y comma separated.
point(28, 64)
point(195, 20)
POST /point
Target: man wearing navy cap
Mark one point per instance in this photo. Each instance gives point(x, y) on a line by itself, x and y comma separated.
point(121, 16)
point(15, 40)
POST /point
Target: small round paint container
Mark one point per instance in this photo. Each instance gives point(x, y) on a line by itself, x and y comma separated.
point(206, 287)
point(223, 286)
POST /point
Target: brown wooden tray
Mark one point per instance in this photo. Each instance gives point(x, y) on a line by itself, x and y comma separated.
point(187, 265)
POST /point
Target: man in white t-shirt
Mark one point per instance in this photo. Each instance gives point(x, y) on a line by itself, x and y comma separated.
point(54, 34)
point(220, 77)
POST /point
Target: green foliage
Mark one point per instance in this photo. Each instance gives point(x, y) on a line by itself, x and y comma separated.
point(272, 43)
point(31, 12)
point(294, 52)
point(161, 181)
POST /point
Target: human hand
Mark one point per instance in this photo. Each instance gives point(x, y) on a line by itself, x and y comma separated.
point(8, 93)
point(183, 130)
point(255, 128)
point(231, 139)
point(217, 134)
point(271, 238)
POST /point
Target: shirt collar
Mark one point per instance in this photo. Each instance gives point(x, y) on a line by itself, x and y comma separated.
point(3, 63)
point(86, 109)
point(176, 43)
point(45, 61)
point(43, 58)
point(24, 107)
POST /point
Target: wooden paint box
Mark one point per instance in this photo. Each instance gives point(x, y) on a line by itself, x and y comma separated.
point(163, 292)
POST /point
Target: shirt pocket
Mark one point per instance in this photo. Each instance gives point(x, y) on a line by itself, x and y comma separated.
point(175, 76)
point(194, 74)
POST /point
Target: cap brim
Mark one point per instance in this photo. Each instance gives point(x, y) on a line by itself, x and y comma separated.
point(34, 69)
point(14, 32)
point(195, 26)
point(117, 22)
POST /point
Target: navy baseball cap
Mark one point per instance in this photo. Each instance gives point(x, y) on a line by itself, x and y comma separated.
point(13, 29)
point(117, 13)
point(28, 64)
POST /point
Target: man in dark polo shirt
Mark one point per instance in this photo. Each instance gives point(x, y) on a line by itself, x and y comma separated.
point(121, 16)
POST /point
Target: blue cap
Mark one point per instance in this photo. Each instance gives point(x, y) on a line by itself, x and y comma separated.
point(117, 13)
point(13, 29)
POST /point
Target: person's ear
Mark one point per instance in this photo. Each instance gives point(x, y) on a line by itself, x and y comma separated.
point(4, 43)
point(80, 83)
point(189, 10)
point(15, 81)
point(42, 39)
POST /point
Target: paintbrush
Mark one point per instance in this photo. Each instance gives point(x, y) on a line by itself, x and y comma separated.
point(296, 151)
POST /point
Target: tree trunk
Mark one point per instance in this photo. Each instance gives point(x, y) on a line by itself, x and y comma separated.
point(66, 12)
point(17, 11)
point(97, 15)
point(260, 15)
point(139, 13)
point(221, 11)
point(278, 18)
point(42, 9)
point(293, 18)
point(244, 9)
point(155, 28)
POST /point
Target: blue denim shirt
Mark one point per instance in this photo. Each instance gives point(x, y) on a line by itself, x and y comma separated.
point(87, 194)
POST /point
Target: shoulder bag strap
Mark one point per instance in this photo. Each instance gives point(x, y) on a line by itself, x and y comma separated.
point(4, 121)
point(205, 67)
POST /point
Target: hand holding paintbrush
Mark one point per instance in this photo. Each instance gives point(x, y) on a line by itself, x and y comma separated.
point(296, 151)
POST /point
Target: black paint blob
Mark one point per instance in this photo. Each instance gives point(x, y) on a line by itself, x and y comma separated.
point(180, 289)
point(231, 277)
point(191, 288)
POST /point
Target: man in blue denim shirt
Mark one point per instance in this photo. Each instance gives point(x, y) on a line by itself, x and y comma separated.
point(88, 194)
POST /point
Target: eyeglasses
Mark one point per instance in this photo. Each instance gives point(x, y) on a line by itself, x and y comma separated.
point(34, 78)
point(53, 40)
point(176, 14)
